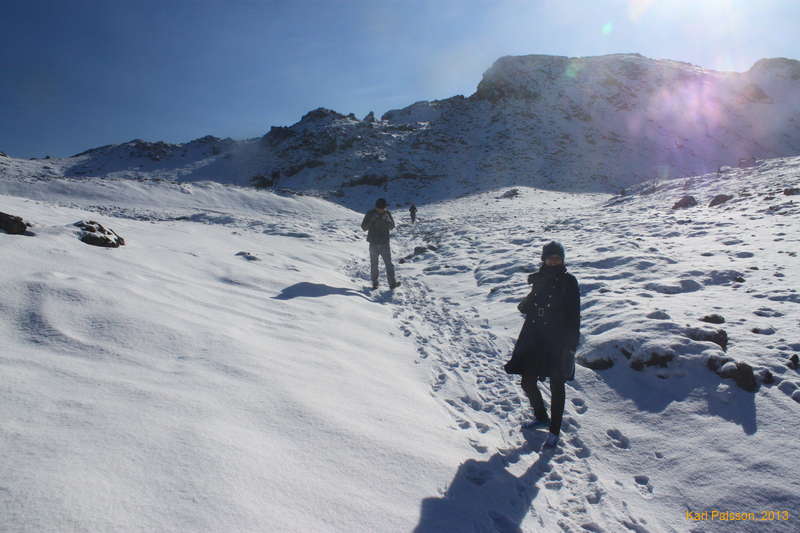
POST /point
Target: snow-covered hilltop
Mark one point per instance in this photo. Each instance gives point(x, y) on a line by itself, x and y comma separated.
point(594, 123)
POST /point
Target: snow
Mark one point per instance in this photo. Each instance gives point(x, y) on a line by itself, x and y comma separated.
point(225, 370)
point(170, 385)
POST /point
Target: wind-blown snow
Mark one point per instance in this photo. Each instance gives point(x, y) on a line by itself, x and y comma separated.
point(177, 384)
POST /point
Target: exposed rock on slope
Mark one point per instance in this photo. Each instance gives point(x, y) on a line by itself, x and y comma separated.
point(594, 123)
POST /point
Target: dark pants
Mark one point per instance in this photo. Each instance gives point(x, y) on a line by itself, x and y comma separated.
point(557, 398)
point(381, 250)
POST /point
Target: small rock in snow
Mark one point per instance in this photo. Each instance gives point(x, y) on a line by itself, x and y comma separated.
point(686, 201)
point(719, 336)
point(713, 319)
point(719, 199)
point(96, 234)
point(248, 256)
point(763, 331)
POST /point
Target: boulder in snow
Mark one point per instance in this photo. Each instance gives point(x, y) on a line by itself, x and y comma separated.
point(96, 234)
point(719, 199)
point(248, 256)
point(766, 377)
point(713, 319)
point(655, 358)
point(418, 250)
point(595, 363)
point(740, 372)
point(511, 193)
point(13, 225)
point(718, 336)
point(686, 201)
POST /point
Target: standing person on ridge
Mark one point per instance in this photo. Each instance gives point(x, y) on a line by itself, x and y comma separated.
point(413, 211)
point(377, 223)
point(549, 337)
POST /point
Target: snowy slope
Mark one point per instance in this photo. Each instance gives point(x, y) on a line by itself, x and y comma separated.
point(173, 385)
point(578, 124)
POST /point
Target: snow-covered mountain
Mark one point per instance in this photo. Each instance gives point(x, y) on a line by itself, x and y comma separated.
point(225, 371)
point(590, 124)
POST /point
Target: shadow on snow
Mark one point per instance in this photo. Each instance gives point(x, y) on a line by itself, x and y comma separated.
point(653, 394)
point(484, 496)
point(315, 290)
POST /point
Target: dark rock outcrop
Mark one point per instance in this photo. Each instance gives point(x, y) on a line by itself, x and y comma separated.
point(686, 201)
point(655, 359)
point(276, 134)
point(13, 225)
point(96, 234)
point(511, 193)
point(418, 250)
point(596, 364)
point(719, 199)
point(248, 256)
point(740, 372)
point(713, 319)
point(719, 336)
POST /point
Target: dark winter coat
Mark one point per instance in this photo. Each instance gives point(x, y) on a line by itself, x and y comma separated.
point(377, 226)
point(546, 345)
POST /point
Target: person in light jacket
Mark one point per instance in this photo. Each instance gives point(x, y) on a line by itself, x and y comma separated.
point(377, 223)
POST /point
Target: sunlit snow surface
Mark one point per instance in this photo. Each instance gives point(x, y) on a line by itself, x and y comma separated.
point(173, 385)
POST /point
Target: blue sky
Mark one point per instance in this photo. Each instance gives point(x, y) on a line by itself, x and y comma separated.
point(78, 74)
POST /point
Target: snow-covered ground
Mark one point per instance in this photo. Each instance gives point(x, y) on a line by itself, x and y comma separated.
point(173, 385)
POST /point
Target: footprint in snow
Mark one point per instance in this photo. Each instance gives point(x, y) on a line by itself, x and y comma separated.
point(582, 451)
point(595, 495)
point(644, 486)
point(580, 405)
point(554, 481)
point(618, 439)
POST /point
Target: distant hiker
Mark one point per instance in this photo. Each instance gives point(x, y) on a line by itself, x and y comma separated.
point(377, 223)
point(549, 337)
point(413, 211)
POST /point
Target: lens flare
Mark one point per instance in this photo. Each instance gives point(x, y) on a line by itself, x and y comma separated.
point(573, 68)
point(637, 8)
point(608, 27)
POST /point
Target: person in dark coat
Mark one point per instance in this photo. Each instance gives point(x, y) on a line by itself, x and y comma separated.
point(549, 337)
point(377, 223)
point(413, 211)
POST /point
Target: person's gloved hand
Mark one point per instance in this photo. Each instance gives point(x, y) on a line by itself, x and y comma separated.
point(531, 278)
